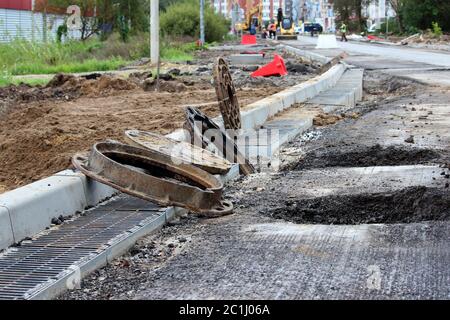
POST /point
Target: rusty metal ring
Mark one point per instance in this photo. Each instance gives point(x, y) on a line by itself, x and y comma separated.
point(226, 96)
point(150, 175)
point(225, 208)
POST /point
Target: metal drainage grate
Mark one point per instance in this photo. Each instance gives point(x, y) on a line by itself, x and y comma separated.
point(25, 267)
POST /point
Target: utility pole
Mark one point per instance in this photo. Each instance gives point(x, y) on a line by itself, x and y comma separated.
point(387, 18)
point(233, 17)
point(154, 31)
point(202, 22)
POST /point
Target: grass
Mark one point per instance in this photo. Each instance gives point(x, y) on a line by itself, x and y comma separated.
point(176, 53)
point(21, 57)
point(69, 67)
point(7, 80)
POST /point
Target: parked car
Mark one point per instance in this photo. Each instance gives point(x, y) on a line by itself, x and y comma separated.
point(298, 29)
point(316, 27)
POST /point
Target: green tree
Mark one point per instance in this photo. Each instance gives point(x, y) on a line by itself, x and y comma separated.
point(124, 16)
point(422, 13)
point(398, 7)
point(351, 12)
point(182, 18)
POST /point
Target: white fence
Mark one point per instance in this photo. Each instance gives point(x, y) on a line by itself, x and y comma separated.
point(29, 25)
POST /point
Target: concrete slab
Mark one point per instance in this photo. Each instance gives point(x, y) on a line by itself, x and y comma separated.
point(32, 207)
point(246, 59)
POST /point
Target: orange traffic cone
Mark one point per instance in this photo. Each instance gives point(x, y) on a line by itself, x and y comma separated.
point(274, 68)
point(248, 39)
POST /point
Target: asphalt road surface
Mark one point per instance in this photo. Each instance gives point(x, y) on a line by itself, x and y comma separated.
point(422, 65)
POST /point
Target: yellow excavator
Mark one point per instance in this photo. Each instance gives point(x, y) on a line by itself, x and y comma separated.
point(287, 29)
point(253, 16)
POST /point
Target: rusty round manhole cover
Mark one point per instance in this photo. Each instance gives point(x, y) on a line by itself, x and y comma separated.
point(179, 151)
point(226, 96)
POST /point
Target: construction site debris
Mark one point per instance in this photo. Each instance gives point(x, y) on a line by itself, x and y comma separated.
point(222, 143)
point(152, 176)
point(325, 119)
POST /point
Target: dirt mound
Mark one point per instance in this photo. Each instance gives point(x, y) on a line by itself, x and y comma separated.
point(63, 87)
point(413, 204)
point(324, 119)
point(164, 86)
point(89, 86)
point(60, 79)
point(363, 156)
point(105, 85)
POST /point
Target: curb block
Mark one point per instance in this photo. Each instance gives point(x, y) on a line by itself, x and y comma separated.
point(6, 232)
point(306, 54)
point(31, 208)
point(47, 198)
point(260, 111)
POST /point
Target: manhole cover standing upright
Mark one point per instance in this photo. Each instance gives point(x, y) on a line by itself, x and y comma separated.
point(226, 96)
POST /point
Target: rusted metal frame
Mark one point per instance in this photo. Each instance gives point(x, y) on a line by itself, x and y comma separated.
point(151, 175)
point(200, 126)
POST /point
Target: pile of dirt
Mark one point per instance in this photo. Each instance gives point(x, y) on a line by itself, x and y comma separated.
point(364, 156)
point(63, 87)
point(85, 86)
point(325, 119)
point(413, 204)
point(166, 86)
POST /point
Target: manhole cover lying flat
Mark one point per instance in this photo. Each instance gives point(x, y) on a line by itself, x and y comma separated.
point(179, 151)
point(43, 260)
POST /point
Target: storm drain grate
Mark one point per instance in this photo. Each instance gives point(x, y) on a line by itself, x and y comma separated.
point(44, 259)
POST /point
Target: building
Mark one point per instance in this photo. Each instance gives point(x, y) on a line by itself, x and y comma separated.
point(376, 12)
point(25, 19)
point(319, 11)
point(226, 7)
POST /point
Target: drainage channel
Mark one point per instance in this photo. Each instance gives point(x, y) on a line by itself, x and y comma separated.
point(34, 266)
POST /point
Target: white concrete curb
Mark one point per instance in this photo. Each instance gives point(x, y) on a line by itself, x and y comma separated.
point(28, 210)
point(306, 54)
point(260, 111)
